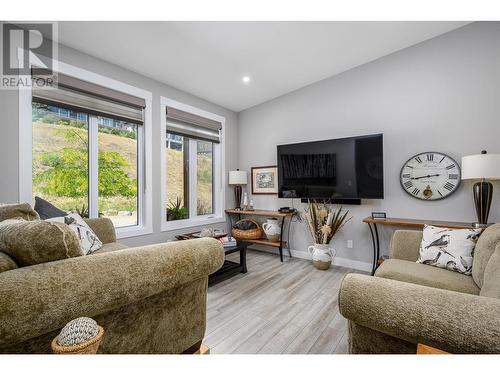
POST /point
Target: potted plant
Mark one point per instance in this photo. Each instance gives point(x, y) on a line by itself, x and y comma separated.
point(323, 221)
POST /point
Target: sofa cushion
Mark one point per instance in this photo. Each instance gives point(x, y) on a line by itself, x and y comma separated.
point(491, 282)
point(17, 210)
point(108, 247)
point(39, 241)
point(6, 262)
point(47, 210)
point(484, 249)
point(421, 274)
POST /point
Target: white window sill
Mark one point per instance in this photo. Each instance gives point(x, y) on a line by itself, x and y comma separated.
point(189, 223)
point(133, 231)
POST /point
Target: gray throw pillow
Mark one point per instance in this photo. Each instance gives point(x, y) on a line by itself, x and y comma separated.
point(47, 210)
point(17, 210)
point(34, 242)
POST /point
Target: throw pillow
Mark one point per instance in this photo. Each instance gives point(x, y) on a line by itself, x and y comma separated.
point(47, 210)
point(38, 241)
point(18, 210)
point(452, 249)
point(89, 242)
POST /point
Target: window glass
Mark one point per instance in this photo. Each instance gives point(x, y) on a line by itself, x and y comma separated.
point(118, 162)
point(204, 183)
point(60, 157)
point(177, 162)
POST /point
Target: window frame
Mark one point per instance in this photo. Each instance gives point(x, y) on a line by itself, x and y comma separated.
point(218, 182)
point(144, 152)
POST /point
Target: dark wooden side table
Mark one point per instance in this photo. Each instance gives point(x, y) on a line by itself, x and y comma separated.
point(230, 268)
point(408, 223)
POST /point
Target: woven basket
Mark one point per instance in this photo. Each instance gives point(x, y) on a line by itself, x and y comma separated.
point(249, 234)
point(88, 347)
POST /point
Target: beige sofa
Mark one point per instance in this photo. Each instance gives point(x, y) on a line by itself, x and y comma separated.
point(406, 303)
point(149, 299)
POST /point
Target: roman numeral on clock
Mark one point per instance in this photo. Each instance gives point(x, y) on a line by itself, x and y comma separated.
point(449, 186)
point(408, 184)
point(417, 158)
point(415, 191)
point(406, 175)
point(450, 166)
point(453, 176)
point(430, 157)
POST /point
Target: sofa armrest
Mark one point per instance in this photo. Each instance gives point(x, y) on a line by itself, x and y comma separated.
point(103, 228)
point(405, 245)
point(452, 321)
point(39, 299)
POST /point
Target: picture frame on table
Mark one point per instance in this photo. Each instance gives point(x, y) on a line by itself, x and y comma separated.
point(265, 180)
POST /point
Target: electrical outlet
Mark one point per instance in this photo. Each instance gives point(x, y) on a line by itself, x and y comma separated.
point(349, 244)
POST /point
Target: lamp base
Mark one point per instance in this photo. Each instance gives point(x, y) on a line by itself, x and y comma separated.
point(237, 196)
point(483, 192)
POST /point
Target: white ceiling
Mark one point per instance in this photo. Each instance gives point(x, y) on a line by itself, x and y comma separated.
point(209, 59)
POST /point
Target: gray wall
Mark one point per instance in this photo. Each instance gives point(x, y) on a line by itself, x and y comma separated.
point(9, 139)
point(440, 95)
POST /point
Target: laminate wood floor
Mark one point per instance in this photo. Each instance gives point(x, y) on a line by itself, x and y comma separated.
point(275, 307)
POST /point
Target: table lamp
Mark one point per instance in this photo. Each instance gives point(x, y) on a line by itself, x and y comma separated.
point(482, 167)
point(237, 178)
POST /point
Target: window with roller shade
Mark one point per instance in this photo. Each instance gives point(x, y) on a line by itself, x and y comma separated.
point(192, 150)
point(87, 150)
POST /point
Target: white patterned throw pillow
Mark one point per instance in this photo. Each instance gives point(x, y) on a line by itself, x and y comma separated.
point(88, 239)
point(452, 249)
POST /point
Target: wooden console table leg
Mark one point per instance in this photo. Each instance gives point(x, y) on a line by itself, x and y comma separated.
point(376, 246)
point(243, 260)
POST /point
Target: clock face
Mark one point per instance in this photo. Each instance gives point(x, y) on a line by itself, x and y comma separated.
point(430, 176)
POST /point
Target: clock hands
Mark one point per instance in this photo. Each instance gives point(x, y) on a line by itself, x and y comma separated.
point(429, 175)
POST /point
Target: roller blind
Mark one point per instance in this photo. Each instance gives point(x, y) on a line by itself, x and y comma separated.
point(78, 95)
point(192, 126)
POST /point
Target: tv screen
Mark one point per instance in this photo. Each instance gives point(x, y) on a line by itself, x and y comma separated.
point(344, 168)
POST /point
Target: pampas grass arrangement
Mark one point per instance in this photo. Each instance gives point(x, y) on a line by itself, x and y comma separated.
point(324, 220)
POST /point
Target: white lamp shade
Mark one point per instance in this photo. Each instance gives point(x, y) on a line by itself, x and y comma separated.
point(477, 167)
point(237, 177)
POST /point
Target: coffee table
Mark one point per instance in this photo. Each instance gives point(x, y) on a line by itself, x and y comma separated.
point(230, 268)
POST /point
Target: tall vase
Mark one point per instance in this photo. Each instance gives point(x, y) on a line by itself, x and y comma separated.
point(322, 255)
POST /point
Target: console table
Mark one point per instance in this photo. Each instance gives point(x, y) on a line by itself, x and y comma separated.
point(264, 241)
point(409, 223)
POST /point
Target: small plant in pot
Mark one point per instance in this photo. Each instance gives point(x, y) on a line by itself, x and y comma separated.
point(323, 221)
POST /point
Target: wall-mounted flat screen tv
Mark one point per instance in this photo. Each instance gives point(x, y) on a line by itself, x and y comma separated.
point(344, 168)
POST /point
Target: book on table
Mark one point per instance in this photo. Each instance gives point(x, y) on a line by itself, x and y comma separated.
point(228, 241)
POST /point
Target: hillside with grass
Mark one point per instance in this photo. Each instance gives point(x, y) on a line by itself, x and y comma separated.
point(60, 169)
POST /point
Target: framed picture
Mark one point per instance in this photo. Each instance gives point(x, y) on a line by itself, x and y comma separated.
point(265, 180)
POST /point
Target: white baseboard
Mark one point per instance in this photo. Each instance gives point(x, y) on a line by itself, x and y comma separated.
point(337, 261)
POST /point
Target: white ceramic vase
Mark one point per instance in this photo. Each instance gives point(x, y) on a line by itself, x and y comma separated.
point(322, 255)
point(272, 229)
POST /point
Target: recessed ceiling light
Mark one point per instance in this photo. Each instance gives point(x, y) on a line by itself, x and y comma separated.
point(246, 79)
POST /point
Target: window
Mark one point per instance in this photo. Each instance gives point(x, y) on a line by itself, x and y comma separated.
point(87, 149)
point(61, 175)
point(60, 157)
point(192, 189)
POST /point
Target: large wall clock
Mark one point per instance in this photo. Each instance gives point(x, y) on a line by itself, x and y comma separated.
point(430, 176)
